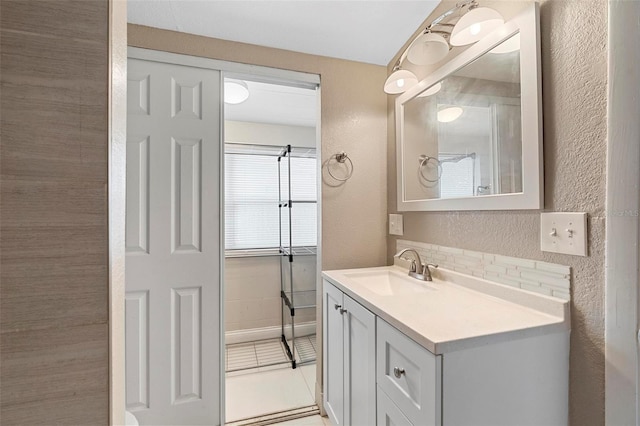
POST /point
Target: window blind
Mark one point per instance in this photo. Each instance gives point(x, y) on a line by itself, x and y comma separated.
point(457, 177)
point(251, 200)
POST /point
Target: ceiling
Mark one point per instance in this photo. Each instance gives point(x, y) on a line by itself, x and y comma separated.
point(370, 31)
point(275, 104)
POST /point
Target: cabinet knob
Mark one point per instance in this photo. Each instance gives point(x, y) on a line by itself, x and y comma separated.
point(398, 372)
point(339, 307)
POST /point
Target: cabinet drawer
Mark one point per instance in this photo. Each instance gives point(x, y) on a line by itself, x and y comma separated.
point(388, 413)
point(409, 375)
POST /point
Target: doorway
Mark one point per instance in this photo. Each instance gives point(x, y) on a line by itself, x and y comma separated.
point(270, 248)
point(175, 353)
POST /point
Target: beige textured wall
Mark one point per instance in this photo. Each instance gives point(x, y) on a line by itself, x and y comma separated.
point(574, 100)
point(252, 291)
point(353, 119)
point(53, 215)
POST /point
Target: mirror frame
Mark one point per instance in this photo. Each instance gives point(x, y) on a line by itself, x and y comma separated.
point(527, 23)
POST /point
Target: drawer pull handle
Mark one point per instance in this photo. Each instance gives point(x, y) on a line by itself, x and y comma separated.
point(342, 311)
point(398, 372)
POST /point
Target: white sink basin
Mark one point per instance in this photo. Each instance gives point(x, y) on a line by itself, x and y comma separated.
point(388, 283)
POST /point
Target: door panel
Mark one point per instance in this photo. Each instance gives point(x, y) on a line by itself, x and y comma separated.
point(137, 344)
point(360, 364)
point(333, 354)
point(173, 244)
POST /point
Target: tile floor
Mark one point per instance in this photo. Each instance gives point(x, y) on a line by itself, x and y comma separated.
point(265, 390)
point(241, 356)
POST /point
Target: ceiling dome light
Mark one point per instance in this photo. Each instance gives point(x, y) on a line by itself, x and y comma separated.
point(508, 46)
point(427, 49)
point(431, 90)
point(474, 25)
point(448, 114)
point(399, 82)
point(235, 91)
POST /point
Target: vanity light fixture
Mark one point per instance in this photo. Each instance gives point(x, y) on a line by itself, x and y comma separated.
point(399, 81)
point(235, 91)
point(447, 114)
point(434, 43)
point(474, 25)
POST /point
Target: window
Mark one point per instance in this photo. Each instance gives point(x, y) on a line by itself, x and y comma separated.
point(458, 175)
point(251, 198)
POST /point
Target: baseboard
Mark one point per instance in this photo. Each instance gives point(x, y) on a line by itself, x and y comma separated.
point(277, 418)
point(264, 333)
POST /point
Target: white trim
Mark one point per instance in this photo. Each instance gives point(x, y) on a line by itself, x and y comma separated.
point(532, 196)
point(221, 310)
point(263, 333)
point(623, 202)
point(237, 69)
point(319, 245)
point(117, 149)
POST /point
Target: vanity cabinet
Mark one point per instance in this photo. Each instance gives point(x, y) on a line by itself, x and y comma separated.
point(376, 372)
point(349, 359)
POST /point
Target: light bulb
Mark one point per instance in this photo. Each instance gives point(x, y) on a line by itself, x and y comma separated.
point(475, 29)
point(400, 82)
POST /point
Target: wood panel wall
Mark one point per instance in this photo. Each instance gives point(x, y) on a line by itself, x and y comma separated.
point(54, 345)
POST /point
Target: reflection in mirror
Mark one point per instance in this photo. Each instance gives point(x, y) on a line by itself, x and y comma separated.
point(462, 137)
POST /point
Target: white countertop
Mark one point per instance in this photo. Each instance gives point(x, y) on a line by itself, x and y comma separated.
point(458, 311)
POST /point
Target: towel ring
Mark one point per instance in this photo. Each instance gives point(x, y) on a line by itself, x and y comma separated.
point(340, 157)
point(424, 160)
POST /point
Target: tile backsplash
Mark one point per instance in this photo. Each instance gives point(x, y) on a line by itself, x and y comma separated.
point(541, 277)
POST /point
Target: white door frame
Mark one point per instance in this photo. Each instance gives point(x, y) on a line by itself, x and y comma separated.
point(117, 190)
point(117, 148)
point(622, 258)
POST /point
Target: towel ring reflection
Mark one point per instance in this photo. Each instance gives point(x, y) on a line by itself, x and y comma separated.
point(424, 161)
point(340, 157)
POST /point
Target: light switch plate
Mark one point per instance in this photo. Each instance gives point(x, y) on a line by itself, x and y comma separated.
point(395, 224)
point(564, 233)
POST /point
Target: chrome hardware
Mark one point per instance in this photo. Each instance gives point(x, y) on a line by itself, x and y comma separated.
point(421, 273)
point(342, 311)
point(336, 306)
point(340, 158)
point(398, 372)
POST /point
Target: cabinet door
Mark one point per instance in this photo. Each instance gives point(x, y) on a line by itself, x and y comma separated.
point(359, 364)
point(333, 353)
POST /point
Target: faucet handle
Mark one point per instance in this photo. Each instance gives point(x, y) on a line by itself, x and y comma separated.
point(412, 267)
point(425, 267)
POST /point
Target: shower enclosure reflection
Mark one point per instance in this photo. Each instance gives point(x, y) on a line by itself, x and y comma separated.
point(462, 136)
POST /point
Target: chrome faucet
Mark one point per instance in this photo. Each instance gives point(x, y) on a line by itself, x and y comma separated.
point(417, 269)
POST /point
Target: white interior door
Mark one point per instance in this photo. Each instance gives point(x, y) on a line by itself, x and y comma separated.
point(173, 244)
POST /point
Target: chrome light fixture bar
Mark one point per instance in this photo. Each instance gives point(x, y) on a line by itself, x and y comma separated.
point(434, 43)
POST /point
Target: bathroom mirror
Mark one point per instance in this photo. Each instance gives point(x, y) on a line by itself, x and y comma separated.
point(469, 136)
